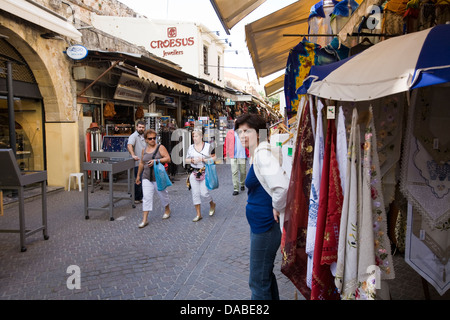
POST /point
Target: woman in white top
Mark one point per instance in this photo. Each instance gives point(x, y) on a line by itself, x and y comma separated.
point(197, 154)
point(267, 184)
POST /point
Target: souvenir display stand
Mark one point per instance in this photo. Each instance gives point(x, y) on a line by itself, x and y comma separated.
point(13, 178)
point(370, 170)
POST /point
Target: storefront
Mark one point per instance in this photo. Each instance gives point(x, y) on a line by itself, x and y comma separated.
point(57, 98)
point(37, 98)
point(28, 110)
point(115, 90)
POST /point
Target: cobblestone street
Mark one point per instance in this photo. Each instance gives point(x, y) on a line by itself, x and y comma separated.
point(173, 259)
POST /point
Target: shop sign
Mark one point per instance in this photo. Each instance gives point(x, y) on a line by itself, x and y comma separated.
point(169, 100)
point(229, 102)
point(77, 52)
point(131, 89)
point(173, 43)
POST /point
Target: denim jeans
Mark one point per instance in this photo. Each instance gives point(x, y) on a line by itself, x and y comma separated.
point(263, 250)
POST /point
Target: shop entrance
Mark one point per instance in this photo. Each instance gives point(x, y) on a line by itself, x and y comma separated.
point(28, 110)
point(29, 132)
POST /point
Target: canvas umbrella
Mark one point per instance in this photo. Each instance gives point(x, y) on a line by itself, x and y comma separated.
point(395, 65)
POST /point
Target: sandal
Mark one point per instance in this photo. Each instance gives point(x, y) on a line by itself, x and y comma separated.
point(143, 224)
point(212, 210)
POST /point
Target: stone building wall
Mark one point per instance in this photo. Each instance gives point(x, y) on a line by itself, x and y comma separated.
point(52, 69)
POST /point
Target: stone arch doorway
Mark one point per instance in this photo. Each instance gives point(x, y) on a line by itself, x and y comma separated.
point(52, 70)
point(28, 135)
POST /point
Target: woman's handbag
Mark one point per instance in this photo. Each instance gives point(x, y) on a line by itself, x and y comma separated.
point(161, 177)
point(199, 174)
point(211, 178)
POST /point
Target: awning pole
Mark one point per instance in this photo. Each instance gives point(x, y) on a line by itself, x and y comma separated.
point(361, 34)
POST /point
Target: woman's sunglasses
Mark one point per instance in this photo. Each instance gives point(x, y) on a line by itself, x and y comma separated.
point(153, 138)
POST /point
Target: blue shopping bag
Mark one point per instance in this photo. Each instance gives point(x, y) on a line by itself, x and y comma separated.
point(211, 178)
point(161, 177)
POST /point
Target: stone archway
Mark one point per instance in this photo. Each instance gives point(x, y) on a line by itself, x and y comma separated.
point(52, 71)
point(40, 56)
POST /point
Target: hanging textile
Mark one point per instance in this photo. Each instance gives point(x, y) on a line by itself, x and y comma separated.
point(300, 59)
point(346, 278)
point(427, 251)
point(425, 183)
point(328, 219)
point(388, 116)
point(334, 207)
point(341, 14)
point(315, 192)
point(433, 13)
point(337, 48)
point(341, 146)
point(293, 241)
point(341, 158)
point(319, 21)
point(393, 22)
point(373, 218)
point(425, 175)
point(364, 252)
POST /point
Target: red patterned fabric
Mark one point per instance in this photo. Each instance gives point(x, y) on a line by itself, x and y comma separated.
point(328, 220)
point(335, 203)
point(293, 242)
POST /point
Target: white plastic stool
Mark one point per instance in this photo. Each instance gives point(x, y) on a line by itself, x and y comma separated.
point(78, 176)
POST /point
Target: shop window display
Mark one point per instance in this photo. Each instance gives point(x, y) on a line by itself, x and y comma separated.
point(29, 132)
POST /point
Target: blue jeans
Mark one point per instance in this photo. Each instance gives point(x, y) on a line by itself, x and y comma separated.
point(263, 250)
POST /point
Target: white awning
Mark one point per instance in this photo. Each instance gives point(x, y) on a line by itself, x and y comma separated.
point(163, 82)
point(41, 16)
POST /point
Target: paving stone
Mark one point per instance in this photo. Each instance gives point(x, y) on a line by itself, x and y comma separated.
point(173, 259)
